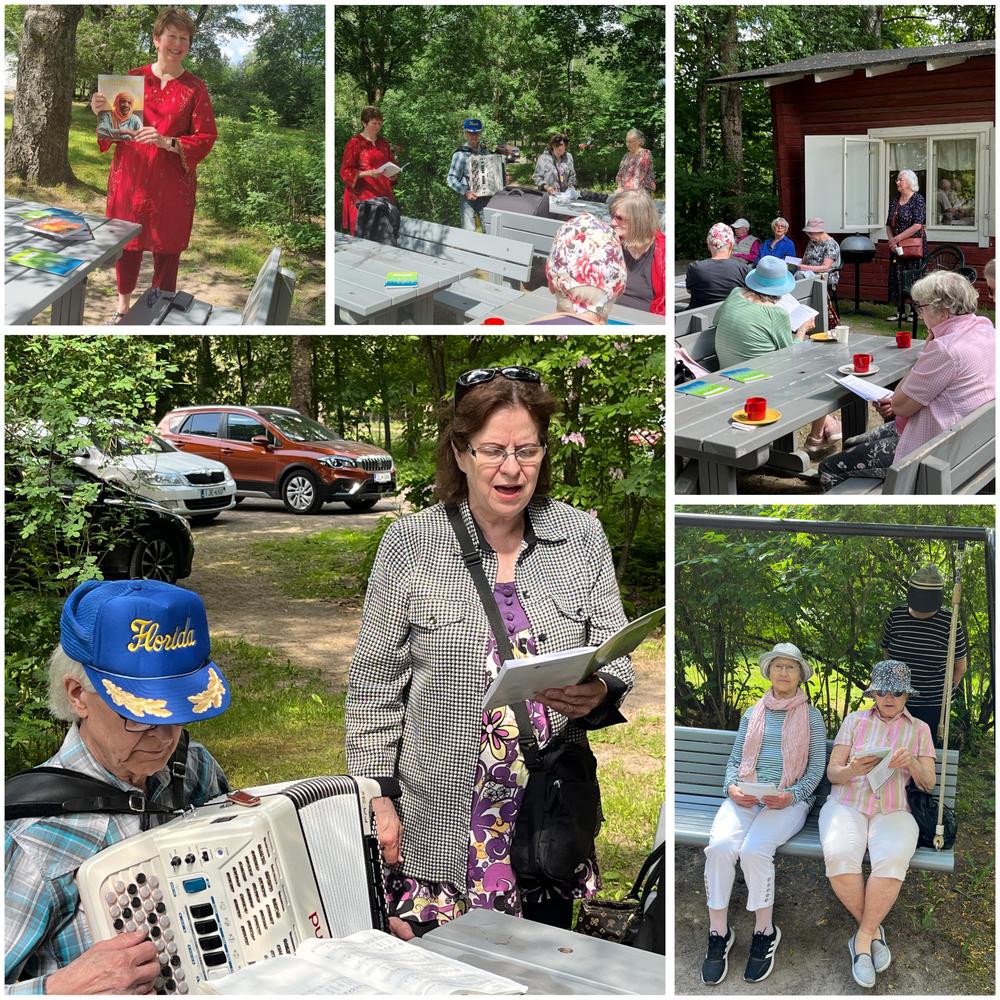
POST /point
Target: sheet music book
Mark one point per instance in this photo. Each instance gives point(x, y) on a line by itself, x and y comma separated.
point(860, 387)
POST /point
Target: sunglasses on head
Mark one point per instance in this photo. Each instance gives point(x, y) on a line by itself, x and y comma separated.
point(885, 694)
point(480, 376)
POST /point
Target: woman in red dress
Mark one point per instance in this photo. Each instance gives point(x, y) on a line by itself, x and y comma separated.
point(153, 178)
point(363, 155)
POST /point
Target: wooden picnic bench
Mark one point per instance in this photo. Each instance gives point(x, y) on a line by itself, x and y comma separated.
point(961, 460)
point(268, 304)
point(700, 758)
point(470, 299)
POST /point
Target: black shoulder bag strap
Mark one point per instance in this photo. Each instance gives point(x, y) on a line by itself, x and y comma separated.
point(474, 563)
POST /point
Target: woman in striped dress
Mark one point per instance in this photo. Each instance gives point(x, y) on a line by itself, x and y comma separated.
point(782, 742)
point(857, 817)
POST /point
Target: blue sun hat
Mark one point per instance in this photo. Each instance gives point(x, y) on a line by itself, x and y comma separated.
point(146, 649)
point(890, 675)
point(770, 277)
point(472, 125)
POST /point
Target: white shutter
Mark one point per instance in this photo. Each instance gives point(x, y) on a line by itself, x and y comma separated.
point(842, 174)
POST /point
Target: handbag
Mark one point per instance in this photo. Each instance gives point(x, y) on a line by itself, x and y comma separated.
point(560, 814)
point(912, 246)
point(924, 808)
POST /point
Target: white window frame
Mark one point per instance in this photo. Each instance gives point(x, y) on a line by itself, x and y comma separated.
point(983, 133)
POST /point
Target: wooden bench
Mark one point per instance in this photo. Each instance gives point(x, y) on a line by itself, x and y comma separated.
point(694, 329)
point(470, 299)
point(268, 304)
point(532, 229)
point(960, 460)
point(700, 758)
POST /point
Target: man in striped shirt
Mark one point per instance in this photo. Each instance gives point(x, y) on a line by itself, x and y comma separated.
point(917, 634)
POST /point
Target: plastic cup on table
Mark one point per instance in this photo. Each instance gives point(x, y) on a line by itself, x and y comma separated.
point(903, 338)
point(755, 408)
point(861, 362)
point(493, 321)
point(843, 333)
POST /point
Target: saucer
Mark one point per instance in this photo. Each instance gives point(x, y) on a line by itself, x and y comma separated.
point(740, 417)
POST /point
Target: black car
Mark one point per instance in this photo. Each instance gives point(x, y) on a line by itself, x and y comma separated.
point(156, 544)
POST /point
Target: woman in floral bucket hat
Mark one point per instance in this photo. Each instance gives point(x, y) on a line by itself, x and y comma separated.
point(858, 817)
point(586, 272)
point(781, 742)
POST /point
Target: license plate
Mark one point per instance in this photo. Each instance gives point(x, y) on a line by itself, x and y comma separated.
point(383, 477)
point(213, 491)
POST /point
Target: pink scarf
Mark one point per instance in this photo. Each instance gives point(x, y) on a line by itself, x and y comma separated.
point(794, 737)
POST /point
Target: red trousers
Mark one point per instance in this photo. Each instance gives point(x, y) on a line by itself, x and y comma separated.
point(164, 271)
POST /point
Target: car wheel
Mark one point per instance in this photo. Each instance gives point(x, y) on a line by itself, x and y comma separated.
point(154, 558)
point(362, 503)
point(205, 518)
point(300, 493)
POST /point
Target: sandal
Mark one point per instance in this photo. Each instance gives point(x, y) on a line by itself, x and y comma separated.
point(116, 318)
point(815, 445)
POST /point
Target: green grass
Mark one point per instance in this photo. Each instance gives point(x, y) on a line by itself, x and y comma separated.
point(214, 247)
point(324, 565)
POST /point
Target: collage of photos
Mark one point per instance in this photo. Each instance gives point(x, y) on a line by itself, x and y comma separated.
point(338, 654)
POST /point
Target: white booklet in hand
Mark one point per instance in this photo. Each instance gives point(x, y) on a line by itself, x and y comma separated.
point(521, 679)
point(757, 789)
point(797, 311)
point(366, 962)
point(390, 169)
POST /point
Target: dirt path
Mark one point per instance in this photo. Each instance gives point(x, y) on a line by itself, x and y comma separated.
point(315, 634)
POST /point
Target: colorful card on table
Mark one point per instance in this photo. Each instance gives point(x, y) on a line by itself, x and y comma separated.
point(67, 228)
point(401, 279)
point(745, 375)
point(703, 389)
point(42, 260)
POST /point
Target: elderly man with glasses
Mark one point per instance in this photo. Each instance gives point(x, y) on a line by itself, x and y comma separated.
point(132, 667)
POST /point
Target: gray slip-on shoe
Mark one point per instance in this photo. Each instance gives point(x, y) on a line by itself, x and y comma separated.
point(881, 956)
point(862, 967)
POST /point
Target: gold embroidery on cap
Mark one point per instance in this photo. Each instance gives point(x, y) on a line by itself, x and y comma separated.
point(211, 697)
point(135, 704)
point(148, 636)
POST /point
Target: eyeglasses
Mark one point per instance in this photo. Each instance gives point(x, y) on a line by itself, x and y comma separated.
point(491, 455)
point(885, 694)
point(920, 305)
point(615, 217)
point(136, 727)
point(480, 376)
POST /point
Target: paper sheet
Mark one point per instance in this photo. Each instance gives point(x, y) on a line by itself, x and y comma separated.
point(757, 790)
point(797, 311)
point(880, 774)
point(861, 387)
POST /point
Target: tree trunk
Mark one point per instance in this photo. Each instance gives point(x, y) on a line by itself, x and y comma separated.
point(338, 385)
point(731, 105)
point(571, 466)
point(383, 393)
point(206, 373)
point(433, 348)
point(302, 376)
point(38, 147)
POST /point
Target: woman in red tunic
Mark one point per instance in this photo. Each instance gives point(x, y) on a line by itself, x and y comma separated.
point(363, 155)
point(153, 178)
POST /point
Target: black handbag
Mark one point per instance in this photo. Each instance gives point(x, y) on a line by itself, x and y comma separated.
point(924, 808)
point(560, 814)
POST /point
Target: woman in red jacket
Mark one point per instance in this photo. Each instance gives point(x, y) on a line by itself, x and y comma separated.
point(633, 218)
point(153, 178)
point(359, 168)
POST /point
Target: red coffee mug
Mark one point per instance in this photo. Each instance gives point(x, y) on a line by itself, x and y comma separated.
point(755, 408)
point(904, 338)
point(493, 321)
point(861, 362)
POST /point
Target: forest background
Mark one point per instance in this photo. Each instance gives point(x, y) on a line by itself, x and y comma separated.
point(724, 153)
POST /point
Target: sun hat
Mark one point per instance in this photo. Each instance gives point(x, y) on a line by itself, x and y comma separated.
point(145, 647)
point(472, 125)
point(925, 589)
point(785, 651)
point(770, 277)
point(814, 225)
point(719, 236)
point(890, 675)
point(741, 224)
point(586, 252)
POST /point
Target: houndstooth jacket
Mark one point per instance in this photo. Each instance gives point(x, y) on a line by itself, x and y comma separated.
point(416, 683)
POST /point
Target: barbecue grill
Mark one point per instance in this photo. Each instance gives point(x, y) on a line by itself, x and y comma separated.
point(857, 250)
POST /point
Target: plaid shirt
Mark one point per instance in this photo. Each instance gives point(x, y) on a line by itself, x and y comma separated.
point(43, 925)
point(416, 684)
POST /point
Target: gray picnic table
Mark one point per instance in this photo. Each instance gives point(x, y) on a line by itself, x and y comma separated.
point(530, 305)
point(28, 291)
point(799, 388)
point(360, 267)
point(598, 208)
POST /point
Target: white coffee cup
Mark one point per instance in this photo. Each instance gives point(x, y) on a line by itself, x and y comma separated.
point(843, 332)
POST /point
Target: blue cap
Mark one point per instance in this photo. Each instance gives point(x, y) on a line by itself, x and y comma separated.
point(145, 647)
point(472, 125)
point(770, 277)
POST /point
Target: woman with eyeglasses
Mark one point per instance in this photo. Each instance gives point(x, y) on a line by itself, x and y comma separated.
point(953, 376)
point(426, 654)
point(633, 218)
point(554, 168)
point(877, 753)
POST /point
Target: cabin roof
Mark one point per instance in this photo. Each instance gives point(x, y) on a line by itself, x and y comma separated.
point(876, 62)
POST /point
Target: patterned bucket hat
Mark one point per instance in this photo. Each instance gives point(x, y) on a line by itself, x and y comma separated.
point(890, 675)
point(586, 252)
point(145, 647)
point(720, 236)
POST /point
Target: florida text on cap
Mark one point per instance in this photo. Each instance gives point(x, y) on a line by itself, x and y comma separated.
point(145, 647)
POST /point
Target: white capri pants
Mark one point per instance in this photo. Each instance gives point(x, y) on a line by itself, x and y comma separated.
point(752, 834)
point(891, 839)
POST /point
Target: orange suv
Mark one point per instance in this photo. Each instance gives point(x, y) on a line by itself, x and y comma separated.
point(275, 451)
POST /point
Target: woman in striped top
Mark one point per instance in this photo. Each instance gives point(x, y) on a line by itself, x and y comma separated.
point(781, 741)
point(857, 816)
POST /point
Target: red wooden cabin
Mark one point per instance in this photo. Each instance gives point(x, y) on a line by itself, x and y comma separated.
point(845, 123)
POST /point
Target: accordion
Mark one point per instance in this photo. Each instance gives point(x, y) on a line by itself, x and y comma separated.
point(243, 878)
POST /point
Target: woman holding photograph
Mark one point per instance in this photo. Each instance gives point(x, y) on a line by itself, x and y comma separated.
point(153, 176)
point(781, 742)
point(857, 817)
